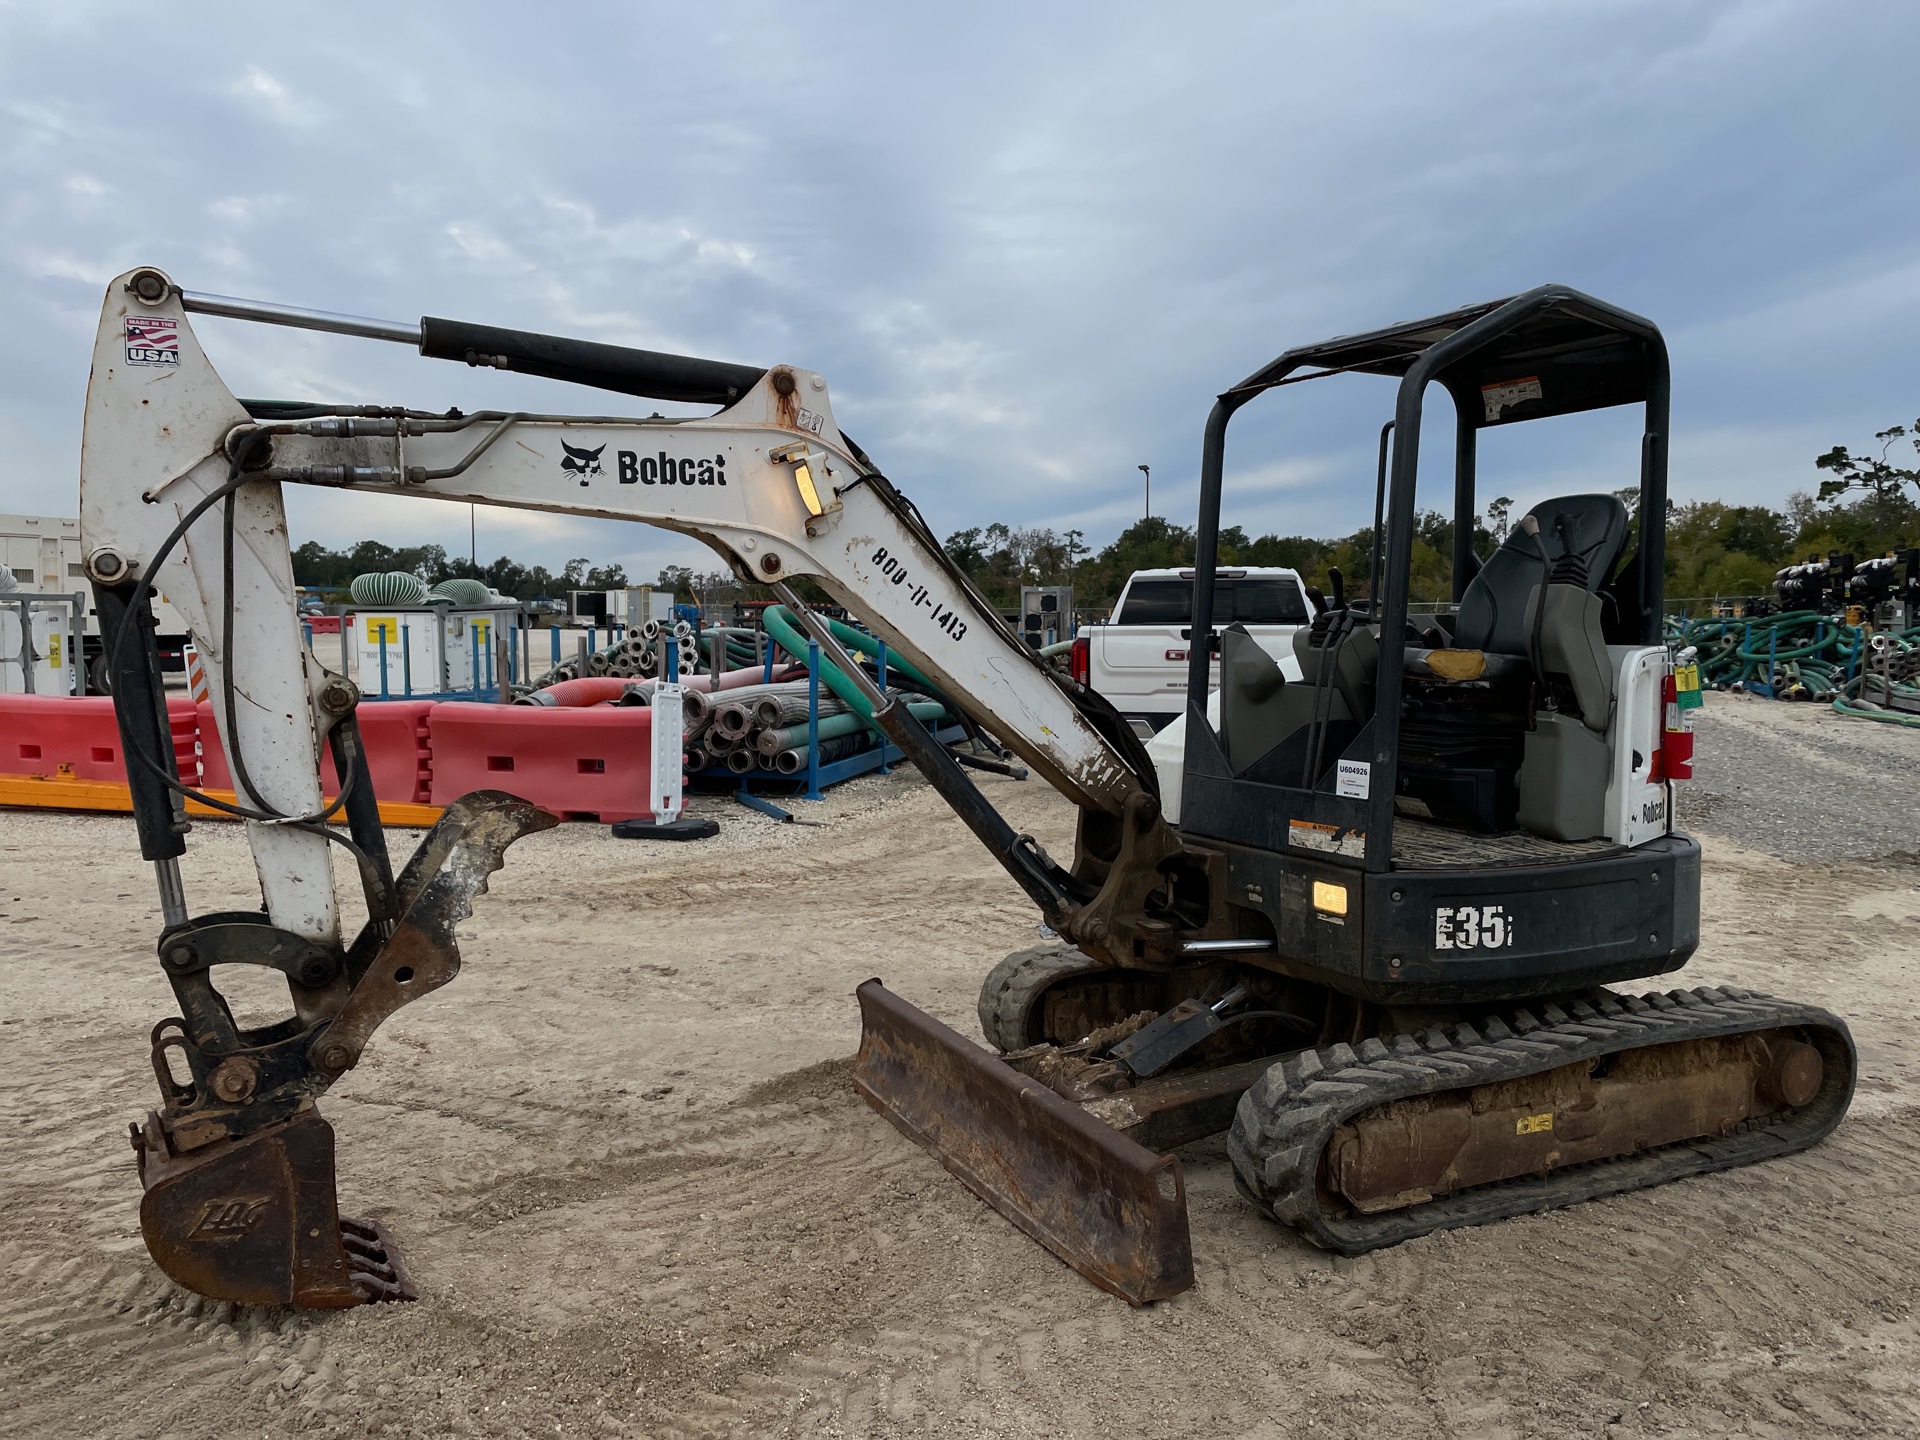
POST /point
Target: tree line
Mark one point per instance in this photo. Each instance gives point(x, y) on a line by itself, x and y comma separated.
point(1864, 507)
point(1867, 506)
point(332, 571)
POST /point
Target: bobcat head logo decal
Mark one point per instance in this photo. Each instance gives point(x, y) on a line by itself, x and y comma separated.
point(584, 463)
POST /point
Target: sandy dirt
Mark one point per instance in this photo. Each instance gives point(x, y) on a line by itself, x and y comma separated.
point(639, 1197)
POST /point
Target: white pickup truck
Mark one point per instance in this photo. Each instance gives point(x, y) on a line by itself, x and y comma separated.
point(1138, 659)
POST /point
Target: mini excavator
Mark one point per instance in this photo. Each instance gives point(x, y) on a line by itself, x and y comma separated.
point(1364, 924)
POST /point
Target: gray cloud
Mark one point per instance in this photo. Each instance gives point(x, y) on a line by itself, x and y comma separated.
point(1026, 245)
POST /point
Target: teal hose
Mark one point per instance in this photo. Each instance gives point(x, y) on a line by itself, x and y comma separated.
point(1804, 655)
point(794, 737)
point(779, 622)
point(1885, 717)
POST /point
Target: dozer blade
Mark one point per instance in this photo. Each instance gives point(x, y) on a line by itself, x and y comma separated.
point(254, 1220)
point(1109, 1207)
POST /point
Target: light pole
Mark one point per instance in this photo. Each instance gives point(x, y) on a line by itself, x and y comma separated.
point(1147, 471)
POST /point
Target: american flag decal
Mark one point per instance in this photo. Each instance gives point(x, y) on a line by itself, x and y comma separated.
point(152, 341)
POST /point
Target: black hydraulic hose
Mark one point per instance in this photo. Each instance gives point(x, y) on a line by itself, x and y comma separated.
point(373, 876)
point(142, 594)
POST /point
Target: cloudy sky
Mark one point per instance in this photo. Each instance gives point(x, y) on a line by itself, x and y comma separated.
point(1026, 244)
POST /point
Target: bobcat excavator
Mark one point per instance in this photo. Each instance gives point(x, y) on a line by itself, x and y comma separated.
point(1363, 924)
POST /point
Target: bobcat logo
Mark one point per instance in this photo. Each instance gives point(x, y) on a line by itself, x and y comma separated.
point(229, 1219)
point(584, 463)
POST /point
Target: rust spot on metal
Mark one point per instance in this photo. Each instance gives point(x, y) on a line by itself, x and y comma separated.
point(786, 398)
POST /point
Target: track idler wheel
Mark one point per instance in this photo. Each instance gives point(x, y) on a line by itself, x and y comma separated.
point(254, 1220)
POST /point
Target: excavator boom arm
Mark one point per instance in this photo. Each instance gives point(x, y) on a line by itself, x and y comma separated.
point(769, 482)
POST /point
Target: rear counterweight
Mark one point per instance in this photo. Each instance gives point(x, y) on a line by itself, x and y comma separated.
point(1477, 934)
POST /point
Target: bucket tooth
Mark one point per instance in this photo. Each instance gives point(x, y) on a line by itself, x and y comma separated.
point(1109, 1207)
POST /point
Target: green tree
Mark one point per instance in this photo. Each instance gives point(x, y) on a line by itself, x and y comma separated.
point(1875, 477)
point(1715, 549)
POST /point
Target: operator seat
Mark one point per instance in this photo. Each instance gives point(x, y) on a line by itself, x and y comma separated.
point(1582, 536)
point(1522, 739)
point(1493, 612)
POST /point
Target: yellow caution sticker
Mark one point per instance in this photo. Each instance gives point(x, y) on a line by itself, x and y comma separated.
point(1533, 1124)
point(53, 651)
point(383, 627)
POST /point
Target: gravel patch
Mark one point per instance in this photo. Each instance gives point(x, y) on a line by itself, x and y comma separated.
point(1803, 783)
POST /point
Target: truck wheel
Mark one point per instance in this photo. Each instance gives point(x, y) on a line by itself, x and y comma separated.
point(99, 681)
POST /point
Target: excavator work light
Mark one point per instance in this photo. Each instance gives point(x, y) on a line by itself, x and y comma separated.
point(803, 460)
point(809, 492)
point(1331, 899)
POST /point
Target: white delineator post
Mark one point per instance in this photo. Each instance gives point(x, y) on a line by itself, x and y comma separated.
point(669, 753)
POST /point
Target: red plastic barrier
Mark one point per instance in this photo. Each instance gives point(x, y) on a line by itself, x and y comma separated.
point(77, 735)
point(586, 764)
point(395, 733)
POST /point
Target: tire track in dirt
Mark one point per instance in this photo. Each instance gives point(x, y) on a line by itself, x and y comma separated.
point(1441, 1333)
point(794, 1266)
point(120, 1343)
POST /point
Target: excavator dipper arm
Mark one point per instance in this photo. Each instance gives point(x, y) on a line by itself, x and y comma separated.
point(181, 488)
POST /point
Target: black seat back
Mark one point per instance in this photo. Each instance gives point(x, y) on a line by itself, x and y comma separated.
point(1493, 612)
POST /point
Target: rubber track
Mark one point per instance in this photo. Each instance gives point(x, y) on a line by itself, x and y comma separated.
point(1014, 986)
point(1286, 1121)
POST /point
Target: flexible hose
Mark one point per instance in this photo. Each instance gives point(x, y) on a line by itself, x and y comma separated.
point(1804, 655)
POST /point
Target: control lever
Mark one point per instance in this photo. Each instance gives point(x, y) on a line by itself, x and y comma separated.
point(1160, 1042)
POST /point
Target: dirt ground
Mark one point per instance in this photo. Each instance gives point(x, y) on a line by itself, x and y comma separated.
point(639, 1197)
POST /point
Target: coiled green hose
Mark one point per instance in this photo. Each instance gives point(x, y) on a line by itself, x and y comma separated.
point(1804, 655)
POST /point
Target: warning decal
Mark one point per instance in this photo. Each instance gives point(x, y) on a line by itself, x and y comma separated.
point(1503, 395)
point(1328, 839)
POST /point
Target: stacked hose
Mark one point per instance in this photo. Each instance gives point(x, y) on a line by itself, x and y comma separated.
point(765, 726)
point(637, 654)
point(1804, 655)
point(737, 719)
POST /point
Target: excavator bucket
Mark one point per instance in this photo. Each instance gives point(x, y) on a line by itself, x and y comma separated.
point(1106, 1205)
point(254, 1220)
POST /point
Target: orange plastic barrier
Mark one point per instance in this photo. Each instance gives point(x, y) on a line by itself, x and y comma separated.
point(394, 731)
point(77, 736)
point(581, 764)
point(113, 797)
